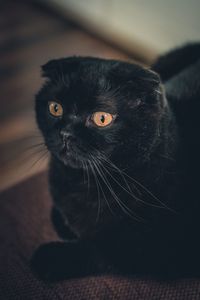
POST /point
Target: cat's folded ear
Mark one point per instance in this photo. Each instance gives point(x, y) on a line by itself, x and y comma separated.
point(144, 76)
point(50, 69)
point(149, 83)
point(155, 81)
point(152, 76)
point(152, 81)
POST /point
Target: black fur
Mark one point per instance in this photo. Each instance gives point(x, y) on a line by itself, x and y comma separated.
point(137, 210)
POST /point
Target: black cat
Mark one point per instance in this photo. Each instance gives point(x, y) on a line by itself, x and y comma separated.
point(124, 166)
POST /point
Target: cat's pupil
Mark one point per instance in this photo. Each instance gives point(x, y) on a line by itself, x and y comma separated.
point(102, 119)
point(56, 107)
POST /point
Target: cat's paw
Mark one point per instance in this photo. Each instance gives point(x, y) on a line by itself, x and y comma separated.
point(63, 260)
point(49, 261)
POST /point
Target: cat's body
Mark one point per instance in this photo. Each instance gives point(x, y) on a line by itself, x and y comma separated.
point(132, 205)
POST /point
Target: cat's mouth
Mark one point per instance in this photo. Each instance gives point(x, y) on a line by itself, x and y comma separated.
point(72, 156)
point(66, 153)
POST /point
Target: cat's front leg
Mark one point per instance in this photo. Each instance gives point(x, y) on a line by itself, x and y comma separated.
point(62, 260)
point(60, 226)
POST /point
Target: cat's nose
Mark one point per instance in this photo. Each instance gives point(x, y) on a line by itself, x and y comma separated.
point(65, 135)
point(66, 138)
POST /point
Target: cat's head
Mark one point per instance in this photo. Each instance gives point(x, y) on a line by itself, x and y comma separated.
point(93, 108)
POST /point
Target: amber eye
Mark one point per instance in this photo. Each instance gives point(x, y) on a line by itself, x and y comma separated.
point(102, 118)
point(55, 109)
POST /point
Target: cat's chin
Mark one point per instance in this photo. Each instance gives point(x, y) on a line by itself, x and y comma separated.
point(71, 161)
point(73, 164)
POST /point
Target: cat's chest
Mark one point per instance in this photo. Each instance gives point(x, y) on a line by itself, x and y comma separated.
point(76, 197)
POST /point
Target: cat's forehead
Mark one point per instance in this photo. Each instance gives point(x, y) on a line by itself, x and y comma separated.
point(86, 85)
point(84, 95)
point(91, 82)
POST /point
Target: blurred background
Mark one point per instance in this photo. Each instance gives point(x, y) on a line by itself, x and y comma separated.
point(32, 32)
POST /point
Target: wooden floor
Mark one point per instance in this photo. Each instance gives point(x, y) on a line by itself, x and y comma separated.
point(29, 37)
